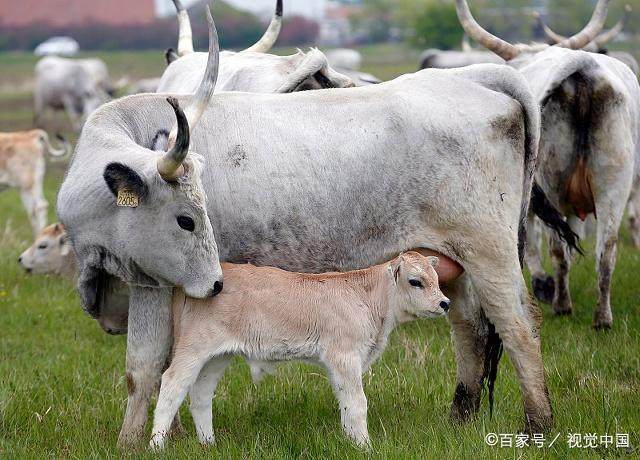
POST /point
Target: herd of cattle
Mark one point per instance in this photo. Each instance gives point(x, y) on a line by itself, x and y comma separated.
point(462, 165)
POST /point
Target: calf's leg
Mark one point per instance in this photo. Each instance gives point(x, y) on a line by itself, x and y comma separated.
point(201, 397)
point(148, 347)
point(176, 381)
point(345, 372)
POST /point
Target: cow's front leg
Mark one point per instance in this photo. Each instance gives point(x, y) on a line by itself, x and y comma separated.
point(346, 379)
point(148, 347)
point(543, 284)
point(469, 332)
point(561, 264)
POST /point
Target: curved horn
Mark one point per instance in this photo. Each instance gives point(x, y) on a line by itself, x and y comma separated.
point(185, 36)
point(502, 48)
point(466, 46)
point(269, 38)
point(606, 37)
point(551, 35)
point(170, 164)
point(582, 38)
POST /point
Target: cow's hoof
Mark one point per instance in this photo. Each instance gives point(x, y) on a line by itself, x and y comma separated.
point(538, 424)
point(564, 310)
point(543, 288)
point(465, 404)
point(602, 321)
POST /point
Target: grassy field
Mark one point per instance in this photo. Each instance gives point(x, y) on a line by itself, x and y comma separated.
point(63, 394)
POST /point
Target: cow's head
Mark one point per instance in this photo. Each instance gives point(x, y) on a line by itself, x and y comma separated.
point(137, 214)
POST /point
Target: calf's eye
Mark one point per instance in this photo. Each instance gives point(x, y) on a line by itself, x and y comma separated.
point(415, 283)
point(186, 223)
point(42, 246)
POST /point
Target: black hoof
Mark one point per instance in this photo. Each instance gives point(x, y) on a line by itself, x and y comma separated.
point(543, 288)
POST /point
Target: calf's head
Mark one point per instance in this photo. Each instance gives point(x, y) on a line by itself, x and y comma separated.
point(416, 287)
point(50, 253)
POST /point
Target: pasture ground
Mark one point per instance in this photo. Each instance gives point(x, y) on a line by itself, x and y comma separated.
point(63, 394)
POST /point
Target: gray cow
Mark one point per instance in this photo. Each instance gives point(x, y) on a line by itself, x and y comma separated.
point(77, 86)
point(316, 181)
point(251, 70)
point(589, 149)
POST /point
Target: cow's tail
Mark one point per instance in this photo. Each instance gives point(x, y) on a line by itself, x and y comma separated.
point(62, 152)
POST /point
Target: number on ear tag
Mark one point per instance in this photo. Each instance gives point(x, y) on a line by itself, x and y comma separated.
point(127, 199)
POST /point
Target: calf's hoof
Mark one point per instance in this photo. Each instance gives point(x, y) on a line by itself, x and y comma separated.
point(602, 321)
point(543, 288)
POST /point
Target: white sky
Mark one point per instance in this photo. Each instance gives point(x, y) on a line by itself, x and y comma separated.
point(309, 8)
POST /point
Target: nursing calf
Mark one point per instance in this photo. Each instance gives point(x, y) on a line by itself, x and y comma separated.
point(339, 320)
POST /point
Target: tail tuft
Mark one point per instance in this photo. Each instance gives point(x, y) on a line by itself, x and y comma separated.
point(542, 207)
point(492, 354)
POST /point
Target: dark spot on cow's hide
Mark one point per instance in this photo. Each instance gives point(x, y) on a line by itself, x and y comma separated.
point(511, 127)
point(131, 384)
point(159, 140)
point(543, 288)
point(237, 157)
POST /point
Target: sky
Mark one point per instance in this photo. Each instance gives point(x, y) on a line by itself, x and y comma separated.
point(309, 8)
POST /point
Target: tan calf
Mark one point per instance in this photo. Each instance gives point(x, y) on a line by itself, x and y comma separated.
point(339, 320)
point(22, 166)
point(50, 253)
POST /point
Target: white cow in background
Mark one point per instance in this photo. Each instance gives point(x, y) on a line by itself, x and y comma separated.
point(77, 86)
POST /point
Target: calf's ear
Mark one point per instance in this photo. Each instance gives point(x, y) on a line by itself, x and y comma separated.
point(120, 177)
point(394, 268)
point(433, 260)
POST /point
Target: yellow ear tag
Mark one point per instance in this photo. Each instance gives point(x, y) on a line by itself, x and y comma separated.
point(127, 199)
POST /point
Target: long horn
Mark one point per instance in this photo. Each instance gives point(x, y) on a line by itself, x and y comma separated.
point(269, 38)
point(606, 37)
point(185, 36)
point(170, 165)
point(551, 35)
point(582, 38)
point(502, 48)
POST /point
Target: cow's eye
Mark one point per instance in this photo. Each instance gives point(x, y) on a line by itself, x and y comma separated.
point(186, 223)
point(415, 283)
point(42, 246)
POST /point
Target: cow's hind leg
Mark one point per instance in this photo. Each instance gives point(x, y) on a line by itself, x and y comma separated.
point(148, 346)
point(469, 331)
point(505, 301)
point(543, 284)
point(610, 212)
point(561, 259)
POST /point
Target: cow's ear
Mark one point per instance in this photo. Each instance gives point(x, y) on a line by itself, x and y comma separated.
point(120, 178)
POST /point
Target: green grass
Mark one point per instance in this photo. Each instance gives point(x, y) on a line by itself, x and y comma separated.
point(62, 391)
